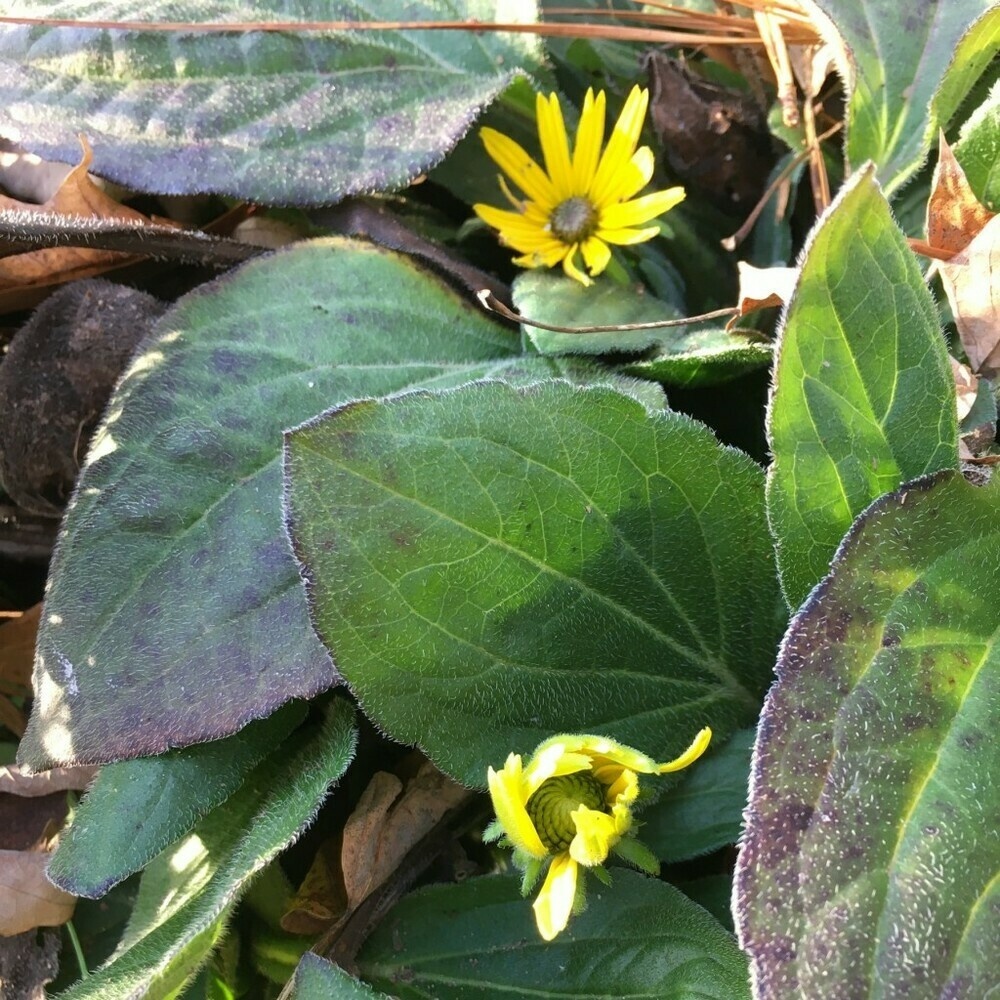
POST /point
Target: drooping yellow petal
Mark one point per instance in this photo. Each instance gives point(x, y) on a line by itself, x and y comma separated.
point(519, 167)
point(622, 815)
point(596, 255)
point(569, 266)
point(639, 210)
point(595, 834)
point(589, 139)
point(555, 145)
point(555, 902)
point(507, 793)
point(602, 750)
point(698, 746)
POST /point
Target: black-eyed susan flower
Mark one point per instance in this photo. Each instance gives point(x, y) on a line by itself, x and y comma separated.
point(571, 806)
point(581, 202)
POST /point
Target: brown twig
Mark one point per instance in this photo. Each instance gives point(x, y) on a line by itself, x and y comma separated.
point(732, 242)
point(490, 302)
point(674, 26)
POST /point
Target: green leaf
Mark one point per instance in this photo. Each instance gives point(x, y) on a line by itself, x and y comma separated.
point(468, 172)
point(554, 298)
point(978, 150)
point(869, 864)
point(705, 810)
point(275, 953)
point(137, 808)
point(909, 67)
point(291, 117)
point(638, 938)
point(492, 565)
point(713, 893)
point(187, 893)
point(698, 358)
point(175, 613)
point(687, 356)
point(317, 979)
point(863, 395)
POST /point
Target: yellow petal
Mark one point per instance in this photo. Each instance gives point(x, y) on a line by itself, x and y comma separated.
point(555, 145)
point(595, 833)
point(624, 237)
point(553, 757)
point(595, 254)
point(627, 181)
point(693, 752)
point(601, 750)
point(639, 210)
point(618, 153)
point(545, 256)
point(555, 902)
point(569, 266)
point(638, 175)
point(507, 793)
point(589, 139)
point(624, 790)
point(519, 167)
point(622, 816)
point(518, 230)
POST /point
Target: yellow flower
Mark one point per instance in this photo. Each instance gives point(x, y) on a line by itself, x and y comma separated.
point(572, 806)
point(578, 203)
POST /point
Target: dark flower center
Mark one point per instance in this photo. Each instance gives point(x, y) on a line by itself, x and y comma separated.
point(550, 807)
point(573, 220)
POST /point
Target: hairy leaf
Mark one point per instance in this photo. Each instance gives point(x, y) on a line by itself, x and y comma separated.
point(491, 565)
point(174, 612)
point(978, 150)
point(638, 938)
point(137, 808)
point(317, 979)
point(863, 397)
point(869, 865)
point(704, 811)
point(908, 67)
point(187, 893)
point(296, 116)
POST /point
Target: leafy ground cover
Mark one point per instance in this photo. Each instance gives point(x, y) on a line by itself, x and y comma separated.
point(497, 500)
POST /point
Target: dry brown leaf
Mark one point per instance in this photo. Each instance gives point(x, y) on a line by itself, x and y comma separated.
point(425, 800)
point(966, 387)
point(27, 898)
point(263, 231)
point(971, 280)
point(955, 216)
point(59, 779)
point(761, 287)
point(28, 177)
point(321, 899)
point(17, 647)
point(363, 834)
point(78, 195)
point(390, 819)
